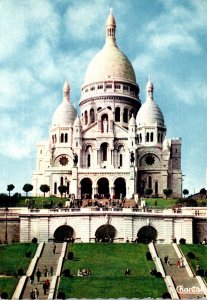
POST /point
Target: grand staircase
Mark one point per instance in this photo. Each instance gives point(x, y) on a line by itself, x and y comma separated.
point(48, 259)
point(186, 286)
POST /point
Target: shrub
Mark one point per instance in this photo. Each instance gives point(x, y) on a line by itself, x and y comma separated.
point(182, 241)
point(200, 272)
point(70, 255)
point(166, 295)
point(191, 255)
point(28, 254)
point(34, 240)
point(60, 205)
point(46, 205)
point(4, 295)
point(61, 295)
point(158, 275)
point(20, 272)
point(66, 273)
point(148, 256)
point(206, 273)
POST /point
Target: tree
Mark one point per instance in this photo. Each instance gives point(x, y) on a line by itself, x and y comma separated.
point(44, 188)
point(203, 192)
point(62, 189)
point(167, 192)
point(10, 188)
point(27, 188)
point(185, 192)
point(148, 191)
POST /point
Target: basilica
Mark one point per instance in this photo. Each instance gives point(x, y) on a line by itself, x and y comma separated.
point(116, 146)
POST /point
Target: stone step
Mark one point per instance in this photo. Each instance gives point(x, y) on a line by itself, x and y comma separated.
point(48, 259)
point(184, 284)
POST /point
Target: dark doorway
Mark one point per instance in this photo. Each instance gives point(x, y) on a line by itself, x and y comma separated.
point(103, 188)
point(86, 188)
point(120, 188)
point(146, 234)
point(105, 234)
point(64, 233)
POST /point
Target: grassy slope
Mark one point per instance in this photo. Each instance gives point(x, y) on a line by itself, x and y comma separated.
point(12, 258)
point(108, 263)
point(200, 252)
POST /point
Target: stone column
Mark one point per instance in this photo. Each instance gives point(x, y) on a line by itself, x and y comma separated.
point(85, 229)
point(74, 182)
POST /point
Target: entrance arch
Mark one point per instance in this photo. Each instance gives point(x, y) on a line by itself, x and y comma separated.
point(86, 188)
point(120, 187)
point(105, 233)
point(64, 233)
point(146, 234)
point(103, 187)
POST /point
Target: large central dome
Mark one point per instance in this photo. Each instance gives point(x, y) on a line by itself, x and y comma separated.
point(110, 63)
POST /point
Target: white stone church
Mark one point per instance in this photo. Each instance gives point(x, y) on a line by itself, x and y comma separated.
point(116, 147)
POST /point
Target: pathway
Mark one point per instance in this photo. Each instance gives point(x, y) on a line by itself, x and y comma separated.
point(183, 283)
point(48, 259)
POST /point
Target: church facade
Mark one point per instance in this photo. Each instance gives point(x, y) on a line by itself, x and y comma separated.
point(115, 147)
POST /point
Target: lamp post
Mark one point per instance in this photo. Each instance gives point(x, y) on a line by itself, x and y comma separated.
point(6, 213)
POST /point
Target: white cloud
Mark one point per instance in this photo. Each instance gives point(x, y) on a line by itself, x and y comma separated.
point(175, 41)
point(20, 25)
point(20, 144)
point(16, 87)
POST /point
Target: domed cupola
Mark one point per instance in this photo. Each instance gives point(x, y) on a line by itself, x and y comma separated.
point(110, 74)
point(65, 113)
point(150, 112)
point(150, 120)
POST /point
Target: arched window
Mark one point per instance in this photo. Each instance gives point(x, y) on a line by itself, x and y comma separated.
point(66, 137)
point(121, 160)
point(104, 148)
point(147, 137)
point(86, 117)
point(156, 187)
point(117, 114)
point(150, 182)
point(55, 188)
point(140, 138)
point(61, 180)
point(92, 116)
point(89, 160)
point(125, 115)
point(158, 137)
point(151, 136)
point(62, 138)
point(161, 138)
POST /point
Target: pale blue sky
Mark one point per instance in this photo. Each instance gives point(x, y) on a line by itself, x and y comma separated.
point(42, 43)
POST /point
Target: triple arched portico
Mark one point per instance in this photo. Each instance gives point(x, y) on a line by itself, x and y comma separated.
point(103, 188)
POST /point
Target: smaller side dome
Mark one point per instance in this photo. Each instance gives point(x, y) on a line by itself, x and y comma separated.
point(65, 113)
point(77, 122)
point(150, 112)
point(132, 121)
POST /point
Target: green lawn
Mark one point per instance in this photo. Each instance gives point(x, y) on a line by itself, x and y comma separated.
point(108, 263)
point(200, 252)
point(161, 202)
point(13, 257)
point(8, 285)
